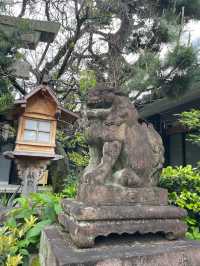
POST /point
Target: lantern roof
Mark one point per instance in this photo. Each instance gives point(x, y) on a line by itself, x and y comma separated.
point(46, 90)
point(61, 114)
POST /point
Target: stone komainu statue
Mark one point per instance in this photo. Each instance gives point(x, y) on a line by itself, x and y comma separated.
point(123, 150)
point(118, 191)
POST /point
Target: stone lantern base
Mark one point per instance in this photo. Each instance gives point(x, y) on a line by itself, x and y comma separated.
point(29, 171)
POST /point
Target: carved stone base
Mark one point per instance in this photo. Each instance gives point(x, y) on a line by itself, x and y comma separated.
point(56, 249)
point(29, 171)
point(119, 195)
point(85, 222)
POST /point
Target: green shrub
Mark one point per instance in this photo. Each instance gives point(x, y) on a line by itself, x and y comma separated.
point(20, 234)
point(70, 190)
point(191, 120)
point(183, 184)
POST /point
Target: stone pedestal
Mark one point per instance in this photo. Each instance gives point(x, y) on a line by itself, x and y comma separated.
point(57, 249)
point(29, 171)
point(101, 210)
point(86, 222)
point(118, 195)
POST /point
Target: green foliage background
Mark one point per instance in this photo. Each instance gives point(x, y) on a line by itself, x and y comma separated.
point(20, 233)
point(183, 184)
point(191, 120)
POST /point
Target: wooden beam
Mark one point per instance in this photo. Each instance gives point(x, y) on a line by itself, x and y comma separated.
point(163, 105)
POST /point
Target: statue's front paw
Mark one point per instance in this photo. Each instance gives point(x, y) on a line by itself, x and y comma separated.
point(134, 182)
point(93, 178)
point(87, 178)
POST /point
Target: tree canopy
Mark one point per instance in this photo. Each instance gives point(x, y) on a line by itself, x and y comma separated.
point(119, 42)
point(9, 45)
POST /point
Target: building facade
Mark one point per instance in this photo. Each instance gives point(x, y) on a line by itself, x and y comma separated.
point(164, 115)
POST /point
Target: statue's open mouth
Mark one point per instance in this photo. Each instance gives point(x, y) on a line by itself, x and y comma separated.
point(99, 105)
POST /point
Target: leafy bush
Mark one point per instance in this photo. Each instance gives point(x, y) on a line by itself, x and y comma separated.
point(183, 184)
point(15, 239)
point(87, 81)
point(76, 148)
point(6, 100)
point(191, 120)
point(70, 190)
point(20, 234)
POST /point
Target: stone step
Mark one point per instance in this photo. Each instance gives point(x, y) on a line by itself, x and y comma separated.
point(84, 212)
point(57, 249)
point(118, 195)
point(84, 233)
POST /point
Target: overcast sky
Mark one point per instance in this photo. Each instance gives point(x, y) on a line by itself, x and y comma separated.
point(193, 28)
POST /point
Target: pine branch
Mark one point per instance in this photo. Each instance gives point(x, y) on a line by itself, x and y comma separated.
point(23, 8)
point(17, 86)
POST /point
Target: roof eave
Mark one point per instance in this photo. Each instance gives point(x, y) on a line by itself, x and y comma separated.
point(163, 105)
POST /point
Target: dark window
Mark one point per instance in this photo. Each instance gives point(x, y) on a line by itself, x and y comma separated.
point(182, 151)
point(176, 150)
point(192, 152)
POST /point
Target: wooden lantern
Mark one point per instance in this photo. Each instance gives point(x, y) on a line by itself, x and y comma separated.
point(38, 113)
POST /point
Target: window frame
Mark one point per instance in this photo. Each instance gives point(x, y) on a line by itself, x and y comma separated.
point(37, 131)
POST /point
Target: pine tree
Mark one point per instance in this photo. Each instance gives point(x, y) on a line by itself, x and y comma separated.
point(179, 70)
point(8, 53)
point(142, 27)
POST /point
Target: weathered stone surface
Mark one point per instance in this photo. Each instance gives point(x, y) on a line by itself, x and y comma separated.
point(123, 150)
point(29, 171)
point(57, 250)
point(85, 223)
point(83, 212)
point(111, 195)
point(84, 233)
point(117, 192)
